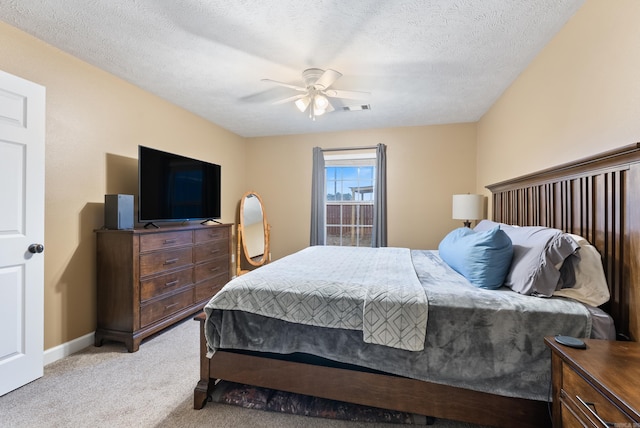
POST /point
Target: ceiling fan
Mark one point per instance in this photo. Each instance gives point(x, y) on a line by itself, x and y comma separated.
point(316, 92)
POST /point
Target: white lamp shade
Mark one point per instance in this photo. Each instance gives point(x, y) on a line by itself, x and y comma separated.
point(468, 207)
point(320, 102)
point(302, 103)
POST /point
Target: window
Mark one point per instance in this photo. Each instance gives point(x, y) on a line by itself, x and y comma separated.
point(352, 190)
point(349, 200)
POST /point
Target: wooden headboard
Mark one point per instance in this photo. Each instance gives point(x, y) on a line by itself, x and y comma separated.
point(598, 198)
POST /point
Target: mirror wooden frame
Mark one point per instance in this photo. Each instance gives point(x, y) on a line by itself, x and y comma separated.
point(241, 247)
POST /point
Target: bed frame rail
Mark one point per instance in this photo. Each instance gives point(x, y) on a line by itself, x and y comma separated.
point(371, 389)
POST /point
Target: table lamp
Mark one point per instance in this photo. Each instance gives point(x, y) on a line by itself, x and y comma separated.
point(468, 207)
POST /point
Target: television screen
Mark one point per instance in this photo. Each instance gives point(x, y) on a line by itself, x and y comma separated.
point(176, 188)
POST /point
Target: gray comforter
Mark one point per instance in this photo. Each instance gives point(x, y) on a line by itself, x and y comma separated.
point(373, 290)
point(484, 340)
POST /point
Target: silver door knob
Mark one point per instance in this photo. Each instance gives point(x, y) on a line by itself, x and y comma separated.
point(36, 248)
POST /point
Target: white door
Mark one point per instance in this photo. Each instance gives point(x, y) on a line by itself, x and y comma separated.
point(22, 119)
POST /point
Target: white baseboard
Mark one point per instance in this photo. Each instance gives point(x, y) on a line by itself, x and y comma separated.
point(59, 352)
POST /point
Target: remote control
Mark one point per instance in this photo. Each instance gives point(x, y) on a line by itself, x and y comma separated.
point(571, 342)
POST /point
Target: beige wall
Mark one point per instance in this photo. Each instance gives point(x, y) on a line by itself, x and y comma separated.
point(425, 166)
point(94, 125)
point(95, 122)
point(580, 96)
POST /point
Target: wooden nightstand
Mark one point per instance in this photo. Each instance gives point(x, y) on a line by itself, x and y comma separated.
point(596, 387)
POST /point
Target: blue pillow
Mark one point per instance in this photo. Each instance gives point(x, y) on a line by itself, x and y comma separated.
point(481, 257)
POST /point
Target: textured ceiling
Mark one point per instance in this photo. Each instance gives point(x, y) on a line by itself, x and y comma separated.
point(424, 62)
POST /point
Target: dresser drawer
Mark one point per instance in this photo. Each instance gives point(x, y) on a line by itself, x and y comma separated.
point(212, 234)
point(158, 309)
point(571, 417)
point(205, 290)
point(587, 402)
point(210, 269)
point(210, 250)
point(161, 261)
point(159, 285)
point(156, 241)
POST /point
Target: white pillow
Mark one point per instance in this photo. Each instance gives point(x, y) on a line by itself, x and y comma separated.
point(591, 284)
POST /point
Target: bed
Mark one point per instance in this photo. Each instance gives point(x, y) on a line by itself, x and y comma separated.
point(593, 198)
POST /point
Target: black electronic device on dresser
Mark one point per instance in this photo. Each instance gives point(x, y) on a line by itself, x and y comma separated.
point(173, 187)
point(118, 211)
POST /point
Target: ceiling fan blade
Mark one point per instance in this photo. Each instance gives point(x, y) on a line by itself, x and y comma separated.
point(286, 85)
point(328, 78)
point(286, 100)
point(349, 95)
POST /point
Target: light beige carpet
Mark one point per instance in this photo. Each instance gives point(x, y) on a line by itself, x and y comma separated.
point(109, 387)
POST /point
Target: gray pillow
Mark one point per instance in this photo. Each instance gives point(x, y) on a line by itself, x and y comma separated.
point(538, 254)
point(568, 271)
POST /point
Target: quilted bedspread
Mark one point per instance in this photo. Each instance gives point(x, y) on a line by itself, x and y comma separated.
point(375, 290)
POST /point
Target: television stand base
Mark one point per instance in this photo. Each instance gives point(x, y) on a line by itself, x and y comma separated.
point(210, 220)
point(151, 224)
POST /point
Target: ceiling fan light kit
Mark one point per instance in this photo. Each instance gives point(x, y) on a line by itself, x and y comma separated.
point(320, 102)
point(302, 103)
point(316, 93)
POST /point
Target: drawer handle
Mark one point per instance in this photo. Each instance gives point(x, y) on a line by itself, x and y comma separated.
point(170, 283)
point(594, 412)
point(214, 269)
point(171, 261)
point(170, 306)
point(169, 241)
point(215, 251)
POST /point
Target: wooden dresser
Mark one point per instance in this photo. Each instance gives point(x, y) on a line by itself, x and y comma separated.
point(596, 387)
point(150, 279)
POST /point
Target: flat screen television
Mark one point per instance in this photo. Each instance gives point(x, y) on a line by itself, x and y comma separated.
point(176, 188)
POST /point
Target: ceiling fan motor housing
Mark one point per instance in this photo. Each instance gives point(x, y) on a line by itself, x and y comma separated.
point(311, 75)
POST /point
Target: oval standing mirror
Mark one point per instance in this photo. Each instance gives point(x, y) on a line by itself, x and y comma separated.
point(253, 233)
